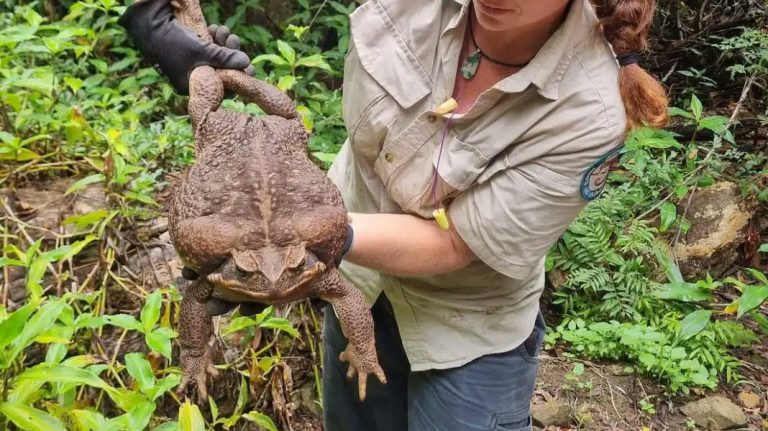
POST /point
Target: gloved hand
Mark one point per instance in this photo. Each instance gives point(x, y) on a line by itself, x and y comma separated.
point(216, 307)
point(176, 49)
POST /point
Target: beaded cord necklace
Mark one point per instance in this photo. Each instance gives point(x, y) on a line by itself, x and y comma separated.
point(472, 62)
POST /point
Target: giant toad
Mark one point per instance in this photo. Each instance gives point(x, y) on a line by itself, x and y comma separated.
point(256, 218)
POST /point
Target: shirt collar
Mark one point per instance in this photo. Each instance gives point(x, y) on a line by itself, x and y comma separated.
point(547, 68)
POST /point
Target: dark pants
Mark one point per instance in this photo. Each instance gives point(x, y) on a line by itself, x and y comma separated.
point(490, 393)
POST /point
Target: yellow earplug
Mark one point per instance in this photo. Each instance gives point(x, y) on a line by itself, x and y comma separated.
point(446, 107)
point(441, 218)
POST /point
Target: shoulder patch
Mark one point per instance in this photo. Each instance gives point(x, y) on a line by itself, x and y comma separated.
point(594, 179)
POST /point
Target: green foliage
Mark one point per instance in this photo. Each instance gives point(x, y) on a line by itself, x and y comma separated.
point(623, 297)
point(655, 349)
point(76, 101)
point(751, 48)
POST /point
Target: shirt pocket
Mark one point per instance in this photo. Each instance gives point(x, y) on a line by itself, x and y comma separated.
point(409, 177)
point(382, 78)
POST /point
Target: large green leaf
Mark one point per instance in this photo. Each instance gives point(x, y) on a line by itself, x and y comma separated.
point(11, 327)
point(160, 341)
point(682, 291)
point(696, 107)
point(150, 313)
point(29, 418)
point(125, 321)
point(40, 322)
point(261, 420)
point(67, 251)
point(694, 323)
point(141, 371)
point(287, 51)
point(168, 426)
point(62, 374)
point(280, 324)
point(88, 420)
point(314, 60)
point(668, 216)
point(190, 418)
point(140, 415)
point(272, 58)
point(752, 298)
point(82, 182)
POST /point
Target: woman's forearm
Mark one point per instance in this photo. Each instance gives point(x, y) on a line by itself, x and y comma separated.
point(402, 244)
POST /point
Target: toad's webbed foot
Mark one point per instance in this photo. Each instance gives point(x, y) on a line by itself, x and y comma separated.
point(362, 363)
point(197, 369)
point(357, 326)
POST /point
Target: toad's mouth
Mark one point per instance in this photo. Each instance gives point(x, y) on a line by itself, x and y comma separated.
point(271, 295)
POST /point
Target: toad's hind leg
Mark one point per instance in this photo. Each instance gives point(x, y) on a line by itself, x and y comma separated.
point(356, 325)
point(206, 91)
point(195, 330)
point(268, 97)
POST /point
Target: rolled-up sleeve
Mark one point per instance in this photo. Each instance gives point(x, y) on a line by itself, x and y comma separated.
point(511, 220)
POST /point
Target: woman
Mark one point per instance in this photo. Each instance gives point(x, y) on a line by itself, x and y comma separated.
point(477, 132)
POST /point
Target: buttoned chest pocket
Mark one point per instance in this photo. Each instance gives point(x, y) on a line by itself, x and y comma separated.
point(382, 79)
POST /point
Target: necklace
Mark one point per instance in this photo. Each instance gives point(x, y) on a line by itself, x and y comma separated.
point(472, 62)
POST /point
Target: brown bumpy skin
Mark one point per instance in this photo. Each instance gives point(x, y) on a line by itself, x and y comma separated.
point(256, 218)
point(357, 327)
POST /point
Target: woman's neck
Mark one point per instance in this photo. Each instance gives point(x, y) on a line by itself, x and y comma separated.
point(519, 43)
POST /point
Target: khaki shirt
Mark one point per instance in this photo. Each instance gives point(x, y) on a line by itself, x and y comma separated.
point(515, 169)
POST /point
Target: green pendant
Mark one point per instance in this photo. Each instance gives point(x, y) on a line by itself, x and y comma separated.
point(469, 68)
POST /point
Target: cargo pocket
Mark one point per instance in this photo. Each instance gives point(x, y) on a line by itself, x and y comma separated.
point(512, 421)
point(531, 347)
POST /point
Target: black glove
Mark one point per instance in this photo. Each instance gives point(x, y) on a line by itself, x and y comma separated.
point(174, 48)
point(216, 307)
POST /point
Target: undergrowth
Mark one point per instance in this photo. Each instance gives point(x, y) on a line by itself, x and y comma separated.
point(622, 294)
point(76, 102)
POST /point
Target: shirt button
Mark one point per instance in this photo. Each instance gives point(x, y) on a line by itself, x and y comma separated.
point(389, 157)
point(431, 118)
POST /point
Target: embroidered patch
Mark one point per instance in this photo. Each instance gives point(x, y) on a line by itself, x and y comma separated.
point(594, 179)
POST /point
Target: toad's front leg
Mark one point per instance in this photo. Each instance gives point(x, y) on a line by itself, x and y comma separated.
point(195, 330)
point(356, 324)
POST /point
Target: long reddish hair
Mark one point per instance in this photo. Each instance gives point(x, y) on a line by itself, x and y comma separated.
point(626, 25)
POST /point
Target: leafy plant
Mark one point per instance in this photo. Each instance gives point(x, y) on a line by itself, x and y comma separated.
point(622, 296)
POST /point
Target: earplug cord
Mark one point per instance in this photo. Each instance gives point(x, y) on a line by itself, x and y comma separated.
point(438, 205)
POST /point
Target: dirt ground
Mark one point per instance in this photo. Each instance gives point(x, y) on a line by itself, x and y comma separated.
point(605, 398)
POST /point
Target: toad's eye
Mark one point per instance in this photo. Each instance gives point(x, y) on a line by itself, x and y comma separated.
point(241, 272)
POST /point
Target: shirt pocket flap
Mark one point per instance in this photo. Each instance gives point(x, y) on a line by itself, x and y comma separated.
point(385, 55)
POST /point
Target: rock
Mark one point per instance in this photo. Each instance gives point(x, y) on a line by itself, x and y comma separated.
point(595, 392)
point(750, 400)
point(306, 397)
point(618, 370)
point(717, 413)
point(584, 415)
point(551, 413)
point(719, 217)
point(46, 206)
point(157, 264)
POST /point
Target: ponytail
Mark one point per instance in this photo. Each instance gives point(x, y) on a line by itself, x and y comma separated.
point(626, 25)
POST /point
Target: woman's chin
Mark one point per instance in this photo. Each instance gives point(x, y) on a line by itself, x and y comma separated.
point(499, 21)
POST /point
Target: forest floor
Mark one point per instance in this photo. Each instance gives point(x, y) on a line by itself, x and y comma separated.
point(604, 397)
point(588, 396)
